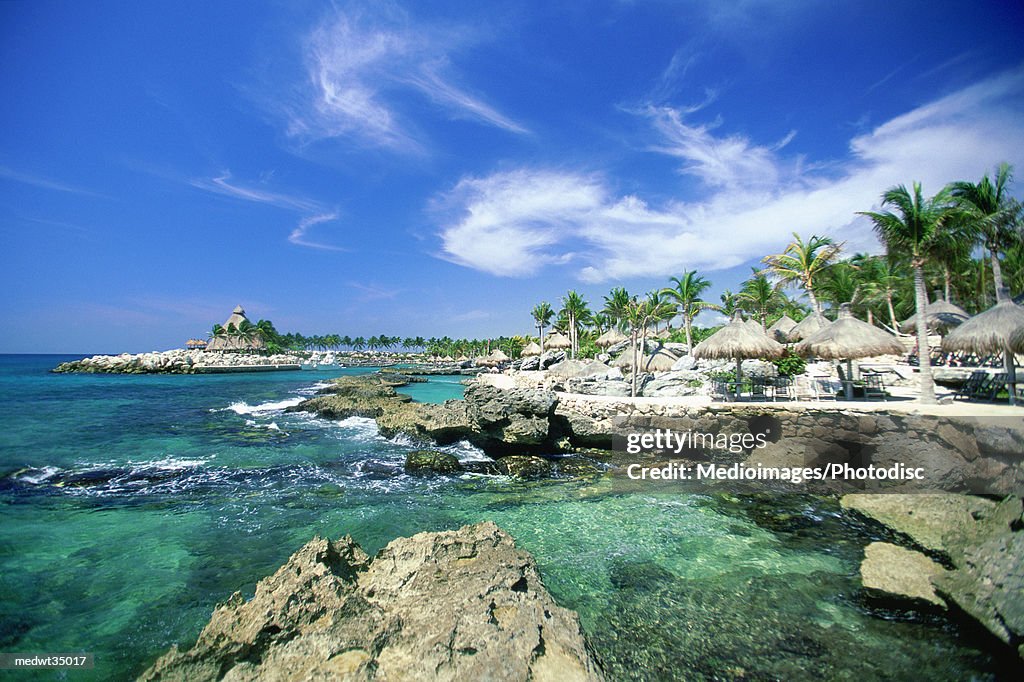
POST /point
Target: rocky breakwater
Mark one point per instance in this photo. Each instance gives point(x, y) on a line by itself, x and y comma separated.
point(454, 605)
point(176, 362)
point(949, 552)
point(498, 421)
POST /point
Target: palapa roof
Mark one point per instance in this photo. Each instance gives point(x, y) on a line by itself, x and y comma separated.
point(663, 334)
point(660, 360)
point(737, 340)
point(754, 325)
point(808, 326)
point(236, 319)
point(557, 340)
point(610, 338)
point(781, 328)
point(939, 315)
point(848, 338)
point(1017, 341)
point(987, 332)
point(531, 349)
point(494, 359)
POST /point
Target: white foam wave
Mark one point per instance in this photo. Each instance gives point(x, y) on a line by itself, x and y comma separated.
point(360, 428)
point(274, 406)
point(35, 476)
point(168, 464)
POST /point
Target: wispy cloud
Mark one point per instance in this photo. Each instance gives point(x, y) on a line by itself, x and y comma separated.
point(372, 292)
point(361, 66)
point(223, 185)
point(299, 234)
point(515, 223)
point(44, 183)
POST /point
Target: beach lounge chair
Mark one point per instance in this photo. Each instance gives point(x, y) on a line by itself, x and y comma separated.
point(974, 382)
point(783, 388)
point(874, 387)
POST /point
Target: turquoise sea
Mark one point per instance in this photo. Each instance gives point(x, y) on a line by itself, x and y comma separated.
point(131, 505)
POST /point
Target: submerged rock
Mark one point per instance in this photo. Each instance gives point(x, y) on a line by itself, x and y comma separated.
point(455, 605)
point(423, 461)
point(524, 466)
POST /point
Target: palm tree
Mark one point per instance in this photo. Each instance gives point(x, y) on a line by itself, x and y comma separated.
point(615, 306)
point(841, 284)
point(993, 215)
point(576, 312)
point(638, 315)
point(758, 297)
point(730, 303)
point(686, 296)
point(542, 314)
point(879, 278)
point(801, 263)
point(912, 229)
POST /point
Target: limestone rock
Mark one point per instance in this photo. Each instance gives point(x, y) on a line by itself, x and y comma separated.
point(455, 605)
point(890, 571)
point(424, 461)
point(524, 466)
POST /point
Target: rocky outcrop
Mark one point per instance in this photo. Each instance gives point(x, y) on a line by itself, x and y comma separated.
point(431, 461)
point(982, 543)
point(892, 572)
point(176, 362)
point(455, 605)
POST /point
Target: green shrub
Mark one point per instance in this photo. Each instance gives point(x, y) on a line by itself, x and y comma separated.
point(790, 364)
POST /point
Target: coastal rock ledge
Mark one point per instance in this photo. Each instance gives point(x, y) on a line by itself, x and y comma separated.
point(454, 605)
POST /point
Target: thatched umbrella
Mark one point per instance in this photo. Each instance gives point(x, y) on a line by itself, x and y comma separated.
point(557, 340)
point(660, 360)
point(754, 325)
point(808, 326)
point(610, 338)
point(940, 316)
point(1017, 341)
point(781, 329)
point(663, 334)
point(739, 341)
point(531, 349)
point(848, 338)
point(492, 360)
point(991, 332)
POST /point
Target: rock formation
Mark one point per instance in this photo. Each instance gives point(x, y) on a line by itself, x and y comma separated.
point(455, 605)
point(981, 541)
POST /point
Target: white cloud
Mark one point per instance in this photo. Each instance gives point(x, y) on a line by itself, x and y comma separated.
point(514, 223)
point(299, 235)
point(360, 66)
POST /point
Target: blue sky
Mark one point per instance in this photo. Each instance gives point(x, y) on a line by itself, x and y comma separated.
point(439, 168)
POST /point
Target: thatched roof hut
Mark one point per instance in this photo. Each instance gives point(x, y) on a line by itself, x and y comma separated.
point(781, 328)
point(737, 340)
point(531, 349)
point(992, 331)
point(195, 344)
point(1017, 341)
point(663, 334)
point(808, 326)
point(848, 338)
point(940, 316)
point(660, 360)
point(235, 341)
point(610, 338)
point(493, 360)
point(556, 341)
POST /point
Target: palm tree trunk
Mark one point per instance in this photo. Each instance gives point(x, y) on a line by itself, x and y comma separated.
point(541, 339)
point(689, 335)
point(923, 352)
point(997, 274)
point(815, 303)
point(892, 311)
point(946, 277)
point(635, 363)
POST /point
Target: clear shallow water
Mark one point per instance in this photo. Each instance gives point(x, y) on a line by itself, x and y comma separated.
point(130, 506)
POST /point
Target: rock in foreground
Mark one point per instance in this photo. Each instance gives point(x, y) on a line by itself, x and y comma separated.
point(455, 605)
